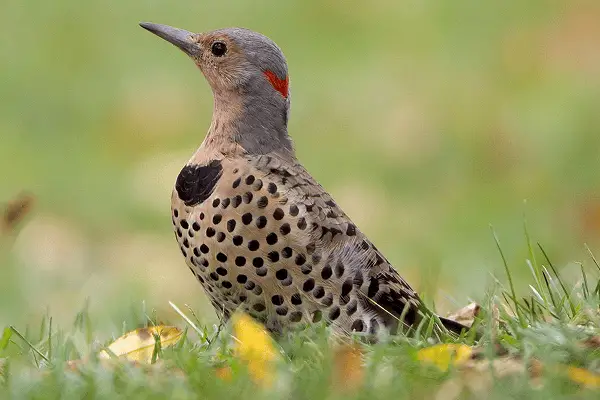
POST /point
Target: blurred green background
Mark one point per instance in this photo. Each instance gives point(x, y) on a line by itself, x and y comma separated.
point(426, 120)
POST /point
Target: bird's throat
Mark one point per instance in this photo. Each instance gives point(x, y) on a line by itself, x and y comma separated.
point(249, 125)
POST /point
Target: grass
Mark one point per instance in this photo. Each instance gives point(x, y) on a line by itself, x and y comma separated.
point(543, 345)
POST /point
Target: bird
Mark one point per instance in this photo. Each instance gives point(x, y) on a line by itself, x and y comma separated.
point(259, 233)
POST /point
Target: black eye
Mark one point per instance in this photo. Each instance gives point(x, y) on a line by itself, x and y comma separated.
point(218, 48)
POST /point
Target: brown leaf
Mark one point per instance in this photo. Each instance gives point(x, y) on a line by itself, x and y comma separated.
point(15, 211)
point(466, 315)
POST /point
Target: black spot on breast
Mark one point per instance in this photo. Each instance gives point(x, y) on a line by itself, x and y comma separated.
point(358, 325)
point(216, 202)
point(236, 201)
point(258, 262)
point(226, 284)
point(281, 274)
point(176, 213)
point(259, 307)
point(300, 259)
point(273, 256)
point(204, 248)
point(236, 183)
point(217, 219)
point(272, 238)
point(285, 229)
point(221, 257)
point(294, 210)
point(225, 202)
point(277, 299)
point(247, 218)
point(296, 299)
point(196, 183)
point(242, 278)
point(221, 271)
point(220, 237)
point(281, 310)
point(309, 285)
point(261, 222)
point(238, 240)
point(373, 288)
point(230, 225)
point(277, 214)
point(346, 287)
point(295, 316)
point(301, 223)
point(247, 197)
point(334, 313)
point(253, 245)
point(262, 202)
point(240, 262)
point(306, 269)
point(328, 300)
point(272, 188)
point(286, 252)
point(319, 292)
point(184, 224)
point(326, 272)
point(250, 179)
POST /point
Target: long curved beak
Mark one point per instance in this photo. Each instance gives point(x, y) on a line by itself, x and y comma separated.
point(177, 37)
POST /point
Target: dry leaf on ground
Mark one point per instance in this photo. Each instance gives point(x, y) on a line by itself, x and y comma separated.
point(139, 345)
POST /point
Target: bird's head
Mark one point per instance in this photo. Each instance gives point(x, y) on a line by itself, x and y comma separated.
point(231, 59)
point(245, 69)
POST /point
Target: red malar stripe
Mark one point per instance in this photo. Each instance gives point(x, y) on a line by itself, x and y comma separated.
point(281, 85)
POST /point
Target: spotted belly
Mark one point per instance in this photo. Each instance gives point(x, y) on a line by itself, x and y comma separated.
point(251, 248)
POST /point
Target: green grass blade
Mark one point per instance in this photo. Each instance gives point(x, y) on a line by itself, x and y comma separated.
point(560, 281)
point(510, 281)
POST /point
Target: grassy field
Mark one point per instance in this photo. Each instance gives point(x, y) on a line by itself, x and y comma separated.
point(544, 346)
point(446, 117)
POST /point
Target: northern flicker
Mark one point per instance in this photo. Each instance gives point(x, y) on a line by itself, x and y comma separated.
point(255, 228)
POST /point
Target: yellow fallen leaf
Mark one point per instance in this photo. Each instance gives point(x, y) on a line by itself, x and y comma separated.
point(583, 377)
point(348, 373)
point(255, 347)
point(138, 345)
point(442, 355)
